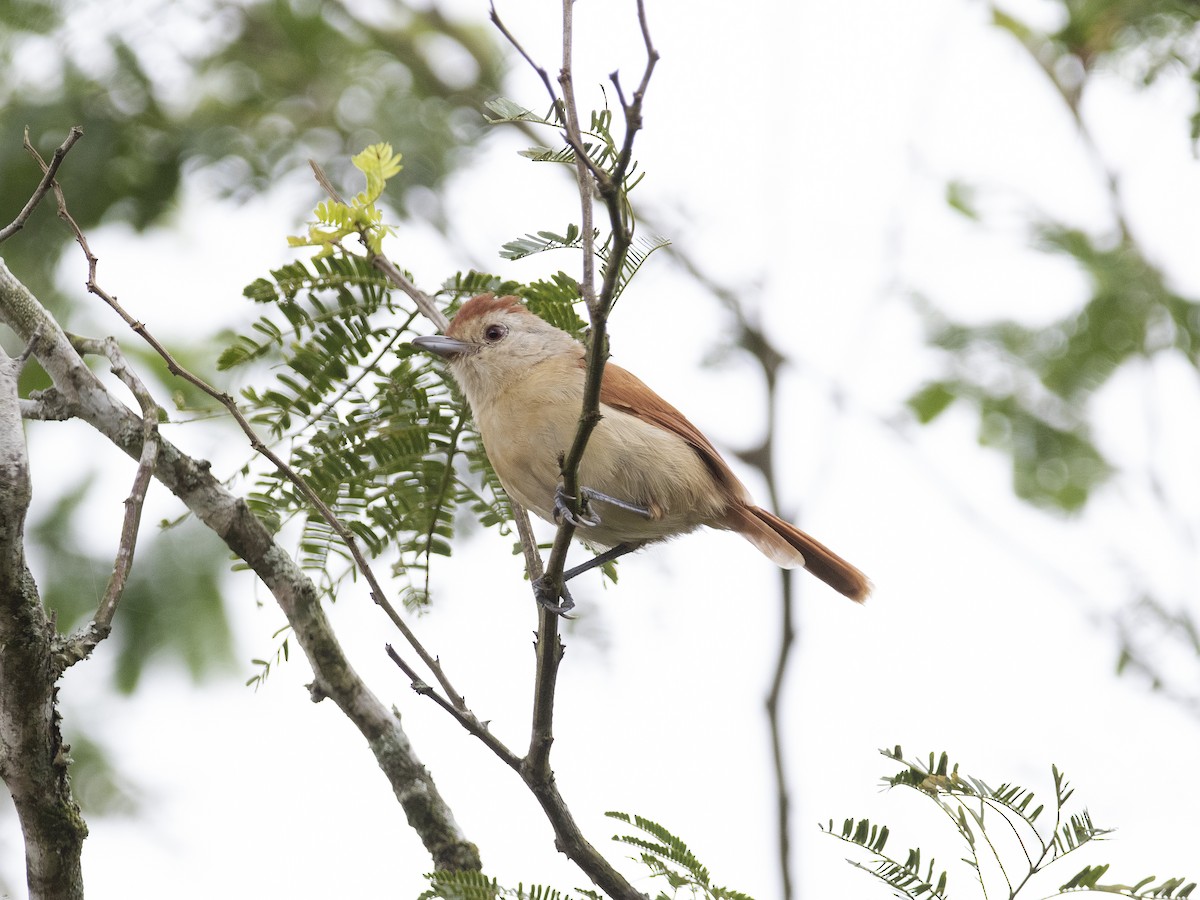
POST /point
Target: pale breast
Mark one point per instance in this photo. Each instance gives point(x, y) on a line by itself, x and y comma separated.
point(627, 458)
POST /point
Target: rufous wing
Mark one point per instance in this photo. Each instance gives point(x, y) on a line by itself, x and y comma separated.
point(623, 390)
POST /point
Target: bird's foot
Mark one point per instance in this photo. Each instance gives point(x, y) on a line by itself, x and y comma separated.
point(586, 518)
point(562, 509)
point(558, 604)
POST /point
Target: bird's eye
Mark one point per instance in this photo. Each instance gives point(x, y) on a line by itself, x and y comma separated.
point(494, 332)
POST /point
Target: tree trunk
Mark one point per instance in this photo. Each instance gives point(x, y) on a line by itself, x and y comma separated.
point(33, 759)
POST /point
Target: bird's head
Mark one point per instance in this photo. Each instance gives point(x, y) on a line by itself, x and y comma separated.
point(494, 341)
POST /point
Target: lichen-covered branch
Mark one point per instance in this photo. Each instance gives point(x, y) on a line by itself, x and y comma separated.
point(33, 758)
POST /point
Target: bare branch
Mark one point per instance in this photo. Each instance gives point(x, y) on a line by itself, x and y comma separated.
point(81, 644)
point(28, 351)
point(424, 302)
point(465, 717)
point(585, 171)
point(611, 191)
point(325, 183)
point(48, 173)
point(572, 136)
point(516, 45)
point(44, 409)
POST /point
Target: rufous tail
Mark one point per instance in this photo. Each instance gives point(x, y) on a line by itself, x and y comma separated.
point(789, 547)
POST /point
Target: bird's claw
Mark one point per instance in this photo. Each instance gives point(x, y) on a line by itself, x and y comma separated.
point(562, 509)
point(557, 604)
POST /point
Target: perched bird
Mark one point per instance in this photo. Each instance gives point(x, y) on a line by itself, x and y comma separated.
point(647, 474)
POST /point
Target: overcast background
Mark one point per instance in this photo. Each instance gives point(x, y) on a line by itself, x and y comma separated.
point(802, 150)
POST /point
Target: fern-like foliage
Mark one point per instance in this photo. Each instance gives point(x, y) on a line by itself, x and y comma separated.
point(637, 254)
point(909, 878)
point(1001, 832)
point(669, 858)
point(666, 857)
point(372, 428)
point(281, 655)
point(602, 149)
point(477, 886)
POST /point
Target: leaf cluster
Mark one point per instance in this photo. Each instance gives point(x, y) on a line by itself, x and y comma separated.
point(471, 885)
point(337, 220)
point(1031, 386)
point(244, 108)
point(1139, 38)
point(1000, 830)
point(669, 858)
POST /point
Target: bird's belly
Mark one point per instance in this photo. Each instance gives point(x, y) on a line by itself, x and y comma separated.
point(626, 458)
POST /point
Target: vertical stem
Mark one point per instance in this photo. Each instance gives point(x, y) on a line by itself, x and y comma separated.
point(783, 803)
point(769, 360)
point(549, 655)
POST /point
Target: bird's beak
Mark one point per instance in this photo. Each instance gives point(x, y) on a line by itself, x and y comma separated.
point(446, 347)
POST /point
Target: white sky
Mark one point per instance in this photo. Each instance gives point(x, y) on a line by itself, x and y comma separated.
point(801, 149)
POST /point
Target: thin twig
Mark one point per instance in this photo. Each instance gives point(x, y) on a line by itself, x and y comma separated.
point(583, 168)
point(573, 136)
point(80, 645)
point(30, 346)
point(46, 406)
point(755, 343)
point(611, 193)
point(324, 182)
point(533, 559)
point(464, 716)
point(48, 173)
point(377, 593)
point(423, 301)
point(516, 45)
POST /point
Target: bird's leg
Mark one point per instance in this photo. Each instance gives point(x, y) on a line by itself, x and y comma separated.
point(585, 519)
point(551, 603)
point(600, 559)
point(589, 495)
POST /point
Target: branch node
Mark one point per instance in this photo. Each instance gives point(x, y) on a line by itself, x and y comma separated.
point(30, 347)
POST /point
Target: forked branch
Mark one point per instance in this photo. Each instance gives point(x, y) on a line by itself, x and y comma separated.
point(43, 188)
point(80, 645)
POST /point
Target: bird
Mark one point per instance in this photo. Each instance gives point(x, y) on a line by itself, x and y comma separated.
point(647, 474)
